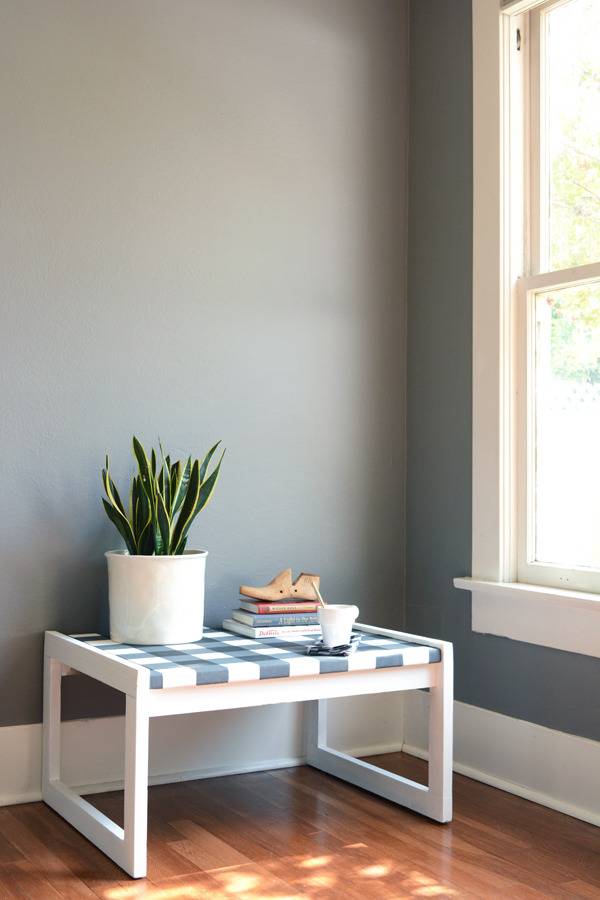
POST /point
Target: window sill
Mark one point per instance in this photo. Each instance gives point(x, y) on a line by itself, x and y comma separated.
point(550, 617)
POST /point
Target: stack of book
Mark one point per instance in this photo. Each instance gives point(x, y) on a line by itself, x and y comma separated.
point(260, 618)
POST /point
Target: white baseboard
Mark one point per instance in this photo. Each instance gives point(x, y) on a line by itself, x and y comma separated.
point(237, 769)
point(549, 767)
point(191, 775)
point(184, 748)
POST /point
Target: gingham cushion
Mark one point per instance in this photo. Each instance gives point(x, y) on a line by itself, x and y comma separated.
point(221, 656)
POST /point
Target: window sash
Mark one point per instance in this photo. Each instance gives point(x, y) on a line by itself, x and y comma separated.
point(535, 131)
point(528, 569)
point(536, 172)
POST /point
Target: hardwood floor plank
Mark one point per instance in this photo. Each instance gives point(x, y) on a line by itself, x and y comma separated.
point(205, 849)
point(8, 852)
point(578, 888)
point(21, 879)
point(43, 859)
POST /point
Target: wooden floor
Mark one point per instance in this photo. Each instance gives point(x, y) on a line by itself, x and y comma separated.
point(297, 833)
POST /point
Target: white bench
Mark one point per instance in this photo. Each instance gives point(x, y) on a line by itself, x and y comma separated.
point(225, 671)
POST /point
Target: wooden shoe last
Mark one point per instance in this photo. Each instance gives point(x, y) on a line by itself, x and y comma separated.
point(283, 588)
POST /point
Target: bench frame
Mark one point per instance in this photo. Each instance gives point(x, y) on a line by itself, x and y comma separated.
point(127, 846)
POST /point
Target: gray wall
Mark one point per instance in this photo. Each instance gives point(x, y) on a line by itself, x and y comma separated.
point(202, 237)
point(545, 686)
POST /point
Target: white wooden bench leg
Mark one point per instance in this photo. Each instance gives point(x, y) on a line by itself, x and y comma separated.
point(126, 846)
point(433, 800)
point(136, 785)
point(362, 774)
point(441, 703)
point(51, 728)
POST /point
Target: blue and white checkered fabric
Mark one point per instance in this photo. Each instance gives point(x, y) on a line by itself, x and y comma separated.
point(222, 656)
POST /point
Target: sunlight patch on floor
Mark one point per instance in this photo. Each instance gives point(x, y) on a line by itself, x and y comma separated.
point(238, 882)
point(183, 891)
point(251, 886)
point(425, 886)
point(314, 861)
point(376, 871)
point(322, 880)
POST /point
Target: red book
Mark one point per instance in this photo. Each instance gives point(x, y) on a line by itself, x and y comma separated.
point(278, 606)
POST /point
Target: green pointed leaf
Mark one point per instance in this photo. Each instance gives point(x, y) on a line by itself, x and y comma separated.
point(182, 485)
point(111, 490)
point(175, 476)
point(180, 547)
point(165, 481)
point(188, 507)
point(167, 490)
point(206, 461)
point(148, 482)
point(112, 494)
point(143, 465)
point(117, 499)
point(158, 544)
point(132, 504)
point(164, 524)
point(106, 486)
point(146, 541)
point(142, 509)
point(122, 525)
point(207, 488)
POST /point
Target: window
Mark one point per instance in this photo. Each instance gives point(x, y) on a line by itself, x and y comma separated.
point(536, 322)
point(558, 312)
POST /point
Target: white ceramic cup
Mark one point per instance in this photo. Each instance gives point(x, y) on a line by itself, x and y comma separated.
point(336, 621)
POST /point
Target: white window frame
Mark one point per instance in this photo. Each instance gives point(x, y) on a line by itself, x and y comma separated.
point(535, 613)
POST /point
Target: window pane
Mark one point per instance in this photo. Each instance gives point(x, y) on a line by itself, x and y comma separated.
point(573, 132)
point(567, 427)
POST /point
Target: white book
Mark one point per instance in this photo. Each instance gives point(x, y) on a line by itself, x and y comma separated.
point(268, 631)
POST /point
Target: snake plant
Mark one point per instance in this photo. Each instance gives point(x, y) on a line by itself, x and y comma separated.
point(165, 498)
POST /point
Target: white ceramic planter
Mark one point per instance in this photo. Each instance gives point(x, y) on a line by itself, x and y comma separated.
point(156, 599)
